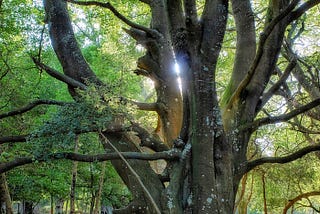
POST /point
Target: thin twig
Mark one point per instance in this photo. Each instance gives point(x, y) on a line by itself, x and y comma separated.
point(109, 6)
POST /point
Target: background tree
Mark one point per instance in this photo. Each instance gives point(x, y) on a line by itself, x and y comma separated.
point(202, 132)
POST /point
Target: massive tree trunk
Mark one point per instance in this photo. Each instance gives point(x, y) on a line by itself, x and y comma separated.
point(212, 135)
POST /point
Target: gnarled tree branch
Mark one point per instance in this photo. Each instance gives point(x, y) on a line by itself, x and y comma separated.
point(59, 76)
point(302, 9)
point(109, 6)
point(14, 139)
point(112, 128)
point(167, 155)
point(32, 105)
point(281, 118)
point(278, 84)
point(298, 198)
point(148, 140)
point(281, 160)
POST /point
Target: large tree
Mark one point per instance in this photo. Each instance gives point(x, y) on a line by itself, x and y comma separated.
point(203, 135)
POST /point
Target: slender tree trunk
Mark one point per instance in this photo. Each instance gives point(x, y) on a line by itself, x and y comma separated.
point(93, 191)
point(5, 199)
point(298, 198)
point(74, 179)
point(265, 208)
point(27, 207)
point(238, 203)
point(100, 188)
point(59, 206)
point(67, 206)
point(51, 204)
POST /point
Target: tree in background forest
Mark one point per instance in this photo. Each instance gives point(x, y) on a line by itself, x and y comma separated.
point(209, 114)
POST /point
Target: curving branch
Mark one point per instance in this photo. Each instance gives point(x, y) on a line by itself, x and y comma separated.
point(278, 84)
point(148, 140)
point(109, 6)
point(32, 105)
point(302, 9)
point(281, 118)
point(262, 41)
point(167, 155)
point(59, 76)
point(281, 160)
point(291, 202)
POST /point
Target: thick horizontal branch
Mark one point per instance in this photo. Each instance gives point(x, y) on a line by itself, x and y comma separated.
point(281, 160)
point(281, 118)
point(142, 106)
point(109, 6)
point(148, 140)
point(145, 106)
point(13, 139)
point(23, 138)
point(59, 76)
point(167, 155)
point(31, 106)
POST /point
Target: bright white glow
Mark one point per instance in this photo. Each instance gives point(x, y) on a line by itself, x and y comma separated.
point(140, 48)
point(177, 70)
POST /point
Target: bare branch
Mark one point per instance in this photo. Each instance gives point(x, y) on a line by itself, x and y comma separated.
point(112, 128)
point(263, 39)
point(291, 202)
point(167, 155)
point(32, 105)
point(281, 118)
point(109, 6)
point(302, 9)
point(148, 140)
point(142, 106)
point(59, 76)
point(277, 85)
point(281, 160)
point(13, 139)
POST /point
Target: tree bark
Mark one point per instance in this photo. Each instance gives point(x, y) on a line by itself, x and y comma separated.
point(265, 207)
point(5, 199)
point(210, 136)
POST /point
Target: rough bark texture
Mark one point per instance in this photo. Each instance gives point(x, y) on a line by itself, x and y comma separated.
point(209, 133)
point(5, 199)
